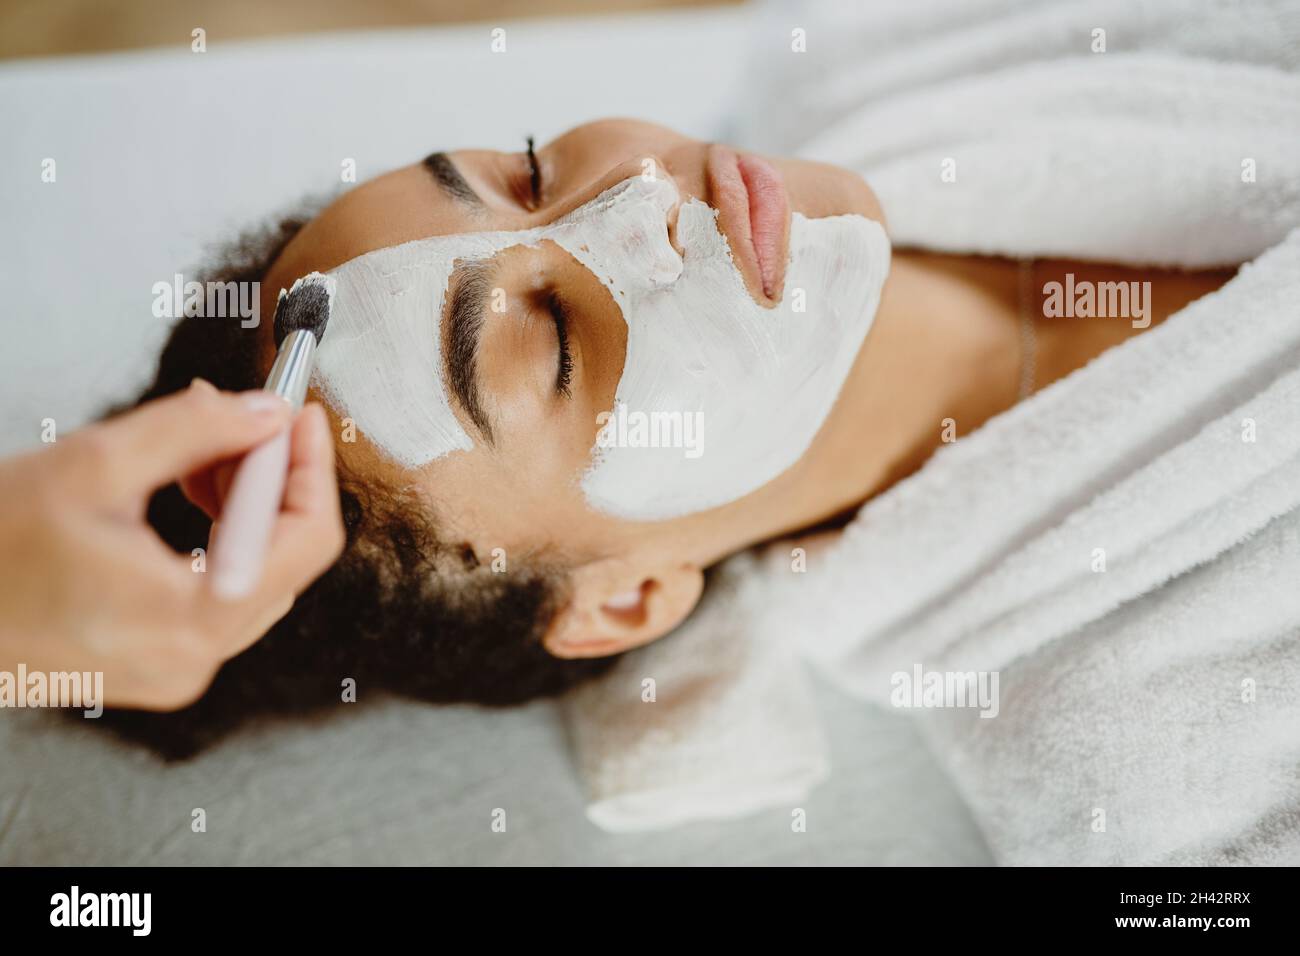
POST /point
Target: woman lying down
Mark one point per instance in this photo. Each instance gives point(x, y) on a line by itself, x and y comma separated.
point(565, 382)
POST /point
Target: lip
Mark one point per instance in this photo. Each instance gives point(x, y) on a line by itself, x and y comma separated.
point(754, 213)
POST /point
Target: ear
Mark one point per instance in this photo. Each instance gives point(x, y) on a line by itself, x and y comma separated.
point(616, 605)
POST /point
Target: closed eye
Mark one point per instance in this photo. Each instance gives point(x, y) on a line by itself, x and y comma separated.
point(564, 365)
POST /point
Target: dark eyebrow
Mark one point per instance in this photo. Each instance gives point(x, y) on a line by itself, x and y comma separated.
point(469, 289)
point(449, 179)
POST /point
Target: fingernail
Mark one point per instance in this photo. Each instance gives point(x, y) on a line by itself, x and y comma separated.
point(264, 403)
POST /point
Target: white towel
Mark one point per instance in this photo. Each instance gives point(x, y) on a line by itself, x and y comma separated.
point(1124, 550)
point(683, 729)
point(991, 126)
point(1136, 155)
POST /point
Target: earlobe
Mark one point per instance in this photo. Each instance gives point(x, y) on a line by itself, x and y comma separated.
point(612, 608)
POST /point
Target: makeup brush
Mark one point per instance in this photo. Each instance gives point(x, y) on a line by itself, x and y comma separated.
point(253, 502)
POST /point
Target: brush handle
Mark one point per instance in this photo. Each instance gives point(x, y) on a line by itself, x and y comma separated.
point(247, 517)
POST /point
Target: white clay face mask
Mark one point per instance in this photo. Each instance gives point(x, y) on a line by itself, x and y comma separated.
point(751, 385)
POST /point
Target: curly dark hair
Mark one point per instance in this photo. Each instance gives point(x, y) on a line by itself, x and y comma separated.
point(402, 611)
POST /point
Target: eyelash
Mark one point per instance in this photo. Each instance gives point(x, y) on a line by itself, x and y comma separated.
point(534, 174)
point(559, 311)
point(560, 315)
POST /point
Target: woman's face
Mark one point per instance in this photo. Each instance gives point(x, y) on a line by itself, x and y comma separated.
point(531, 392)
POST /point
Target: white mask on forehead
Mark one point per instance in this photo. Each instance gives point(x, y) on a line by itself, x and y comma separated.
point(759, 381)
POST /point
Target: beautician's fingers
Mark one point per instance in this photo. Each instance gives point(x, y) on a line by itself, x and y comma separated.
point(206, 488)
point(308, 535)
point(270, 614)
point(200, 489)
point(132, 454)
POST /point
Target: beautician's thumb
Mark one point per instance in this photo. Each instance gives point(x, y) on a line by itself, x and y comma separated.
point(168, 438)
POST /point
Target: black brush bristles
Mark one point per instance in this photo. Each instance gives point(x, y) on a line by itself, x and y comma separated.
point(306, 305)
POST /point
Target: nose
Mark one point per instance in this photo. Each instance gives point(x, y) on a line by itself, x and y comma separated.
point(650, 166)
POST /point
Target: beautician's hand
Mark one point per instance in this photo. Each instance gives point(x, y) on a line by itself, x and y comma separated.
point(86, 584)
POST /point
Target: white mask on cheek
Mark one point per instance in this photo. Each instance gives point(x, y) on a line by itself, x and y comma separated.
point(762, 380)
